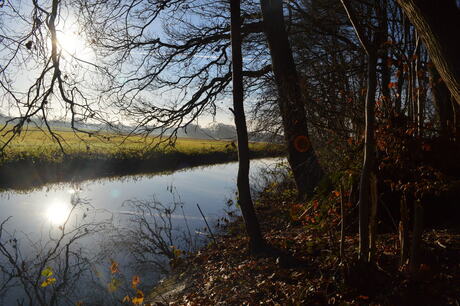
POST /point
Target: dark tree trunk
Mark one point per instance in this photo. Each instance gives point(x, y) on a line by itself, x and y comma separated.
point(404, 231)
point(256, 242)
point(373, 218)
point(442, 102)
point(438, 23)
point(369, 158)
point(342, 226)
point(386, 77)
point(370, 45)
point(302, 158)
point(398, 98)
point(416, 237)
point(386, 73)
point(456, 123)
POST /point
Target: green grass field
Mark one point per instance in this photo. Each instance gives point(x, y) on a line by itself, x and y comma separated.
point(34, 159)
point(35, 144)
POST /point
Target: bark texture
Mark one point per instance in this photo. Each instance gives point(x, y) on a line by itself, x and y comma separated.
point(301, 156)
point(438, 23)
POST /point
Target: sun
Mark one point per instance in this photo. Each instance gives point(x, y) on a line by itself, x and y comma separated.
point(72, 43)
point(58, 212)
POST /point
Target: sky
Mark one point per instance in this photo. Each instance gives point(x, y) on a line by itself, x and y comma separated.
point(26, 66)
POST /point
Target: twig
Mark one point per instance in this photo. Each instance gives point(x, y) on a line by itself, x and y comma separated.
point(210, 232)
point(305, 212)
point(342, 226)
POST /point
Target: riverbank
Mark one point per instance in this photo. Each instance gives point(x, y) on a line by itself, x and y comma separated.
point(312, 273)
point(34, 159)
point(29, 172)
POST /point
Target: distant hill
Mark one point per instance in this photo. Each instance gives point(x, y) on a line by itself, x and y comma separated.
point(63, 125)
point(216, 130)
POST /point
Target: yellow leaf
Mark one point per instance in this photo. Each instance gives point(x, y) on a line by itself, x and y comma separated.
point(48, 281)
point(139, 298)
point(126, 299)
point(47, 272)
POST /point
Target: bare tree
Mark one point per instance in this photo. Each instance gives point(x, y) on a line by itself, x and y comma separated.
point(170, 59)
point(370, 45)
point(256, 242)
point(32, 47)
point(301, 156)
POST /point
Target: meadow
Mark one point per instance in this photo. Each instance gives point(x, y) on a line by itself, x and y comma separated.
point(39, 145)
point(34, 158)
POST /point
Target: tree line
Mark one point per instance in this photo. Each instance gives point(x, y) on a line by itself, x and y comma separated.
point(335, 78)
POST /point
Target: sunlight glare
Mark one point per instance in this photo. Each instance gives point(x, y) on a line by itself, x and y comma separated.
point(58, 212)
point(72, 41)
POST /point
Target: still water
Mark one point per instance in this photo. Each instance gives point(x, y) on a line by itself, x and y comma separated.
point(96, 235)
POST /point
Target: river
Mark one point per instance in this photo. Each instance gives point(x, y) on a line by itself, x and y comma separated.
point(91, 238)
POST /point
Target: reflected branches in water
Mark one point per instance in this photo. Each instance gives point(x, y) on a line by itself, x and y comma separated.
point(157, 234)
point(144, 237)
point(48, 270)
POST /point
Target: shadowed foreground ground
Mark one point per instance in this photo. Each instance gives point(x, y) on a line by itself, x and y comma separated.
point(224, 273)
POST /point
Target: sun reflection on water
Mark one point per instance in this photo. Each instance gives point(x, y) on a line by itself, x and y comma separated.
point(58, 212)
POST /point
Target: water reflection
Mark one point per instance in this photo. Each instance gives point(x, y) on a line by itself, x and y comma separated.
point(78, 230)
point(53, 266)
point(58, 212)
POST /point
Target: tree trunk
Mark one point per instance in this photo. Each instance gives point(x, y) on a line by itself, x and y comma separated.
point(373, 218)
point(369, 158)
point(370, 45)
point(386, 73)
point(256, 242)
point(416, 237)
point(386, 78)
point(438, 22)
point(444, 107)
point(418, 104)
point(404, 231)
point(301, 156)
point(342, 226)
point(398, 101)
point(456, 121)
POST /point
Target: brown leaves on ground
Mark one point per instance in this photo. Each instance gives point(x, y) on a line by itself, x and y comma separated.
point(226, 274)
